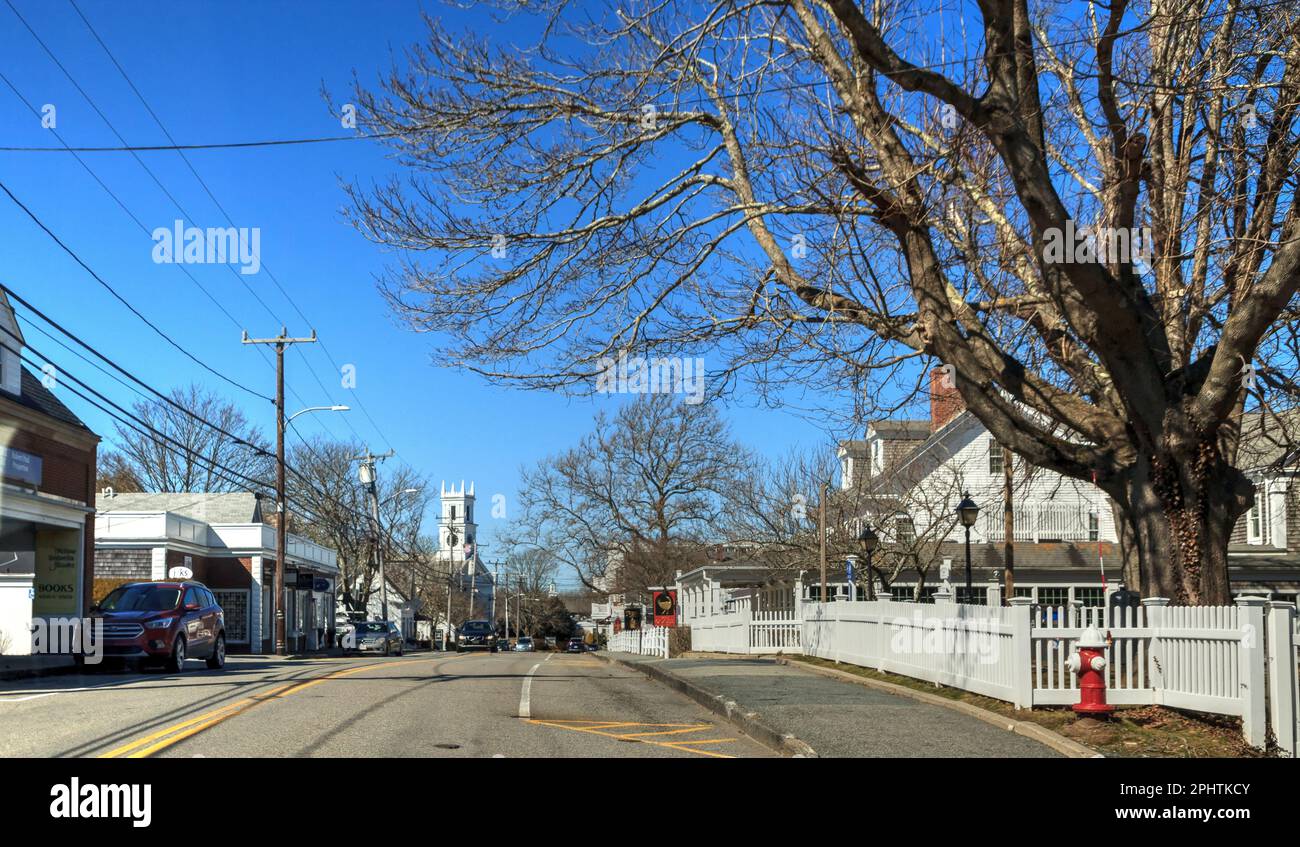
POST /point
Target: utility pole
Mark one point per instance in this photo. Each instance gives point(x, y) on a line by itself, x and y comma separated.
point(821, 535)
point(366, 473)
point(278, 594)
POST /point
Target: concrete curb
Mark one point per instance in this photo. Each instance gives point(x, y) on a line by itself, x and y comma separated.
point(1065, 746)
point(748, 722)
point(33, 673)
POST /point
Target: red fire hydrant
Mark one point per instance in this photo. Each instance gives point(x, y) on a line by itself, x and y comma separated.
point(1089, 662)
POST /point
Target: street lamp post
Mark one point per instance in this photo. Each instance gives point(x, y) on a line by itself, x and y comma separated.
point(968, 512)
point(869, 541)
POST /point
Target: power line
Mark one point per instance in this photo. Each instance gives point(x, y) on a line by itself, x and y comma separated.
point(222, 209)
point(229, 145)
point(123, 300)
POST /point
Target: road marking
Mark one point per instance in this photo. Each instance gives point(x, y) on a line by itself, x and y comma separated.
point(5, 696)
point(524, 705)
point(601, 728)
point(163, 738)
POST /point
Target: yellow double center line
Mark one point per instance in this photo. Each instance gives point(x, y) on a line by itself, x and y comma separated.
point(164, 738)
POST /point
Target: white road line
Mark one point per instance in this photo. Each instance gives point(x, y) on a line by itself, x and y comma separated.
point(524, 708)
point(12, 697)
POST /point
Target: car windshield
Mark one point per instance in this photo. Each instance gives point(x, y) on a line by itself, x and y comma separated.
point(476, 627)
point(372, 626)
point(142, 598)
point(525, 641)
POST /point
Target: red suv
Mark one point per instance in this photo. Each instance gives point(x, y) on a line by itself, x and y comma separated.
point(163, 621)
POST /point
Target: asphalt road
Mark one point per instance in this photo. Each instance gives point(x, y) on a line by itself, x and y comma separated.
point(421, 705)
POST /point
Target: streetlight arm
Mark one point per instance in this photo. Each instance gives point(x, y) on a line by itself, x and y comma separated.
point(318, 409)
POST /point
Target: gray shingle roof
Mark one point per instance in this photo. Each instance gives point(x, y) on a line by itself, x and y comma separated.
point(37, 397)
point(234, 507)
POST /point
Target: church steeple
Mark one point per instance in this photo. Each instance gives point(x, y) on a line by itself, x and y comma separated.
point(458, 520)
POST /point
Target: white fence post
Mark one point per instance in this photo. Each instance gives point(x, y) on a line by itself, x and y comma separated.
point(1284, 694)
point(1155, 609)
point(1253, 714)
point(1022, 652)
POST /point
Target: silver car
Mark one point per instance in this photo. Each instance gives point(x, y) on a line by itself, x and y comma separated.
point(524, 645)
point(378, 637)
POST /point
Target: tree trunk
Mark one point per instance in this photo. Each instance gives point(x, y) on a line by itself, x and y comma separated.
point(1179, 514)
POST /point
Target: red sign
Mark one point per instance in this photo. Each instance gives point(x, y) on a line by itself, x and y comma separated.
point(665, 607)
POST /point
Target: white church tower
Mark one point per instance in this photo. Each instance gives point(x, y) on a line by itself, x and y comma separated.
point(457, 522)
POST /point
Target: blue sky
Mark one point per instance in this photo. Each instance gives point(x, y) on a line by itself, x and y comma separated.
point(244, 71)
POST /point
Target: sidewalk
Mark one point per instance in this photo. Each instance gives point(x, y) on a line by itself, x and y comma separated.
point(836, 719)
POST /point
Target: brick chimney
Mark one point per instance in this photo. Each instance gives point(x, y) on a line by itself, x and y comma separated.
point(945, 401)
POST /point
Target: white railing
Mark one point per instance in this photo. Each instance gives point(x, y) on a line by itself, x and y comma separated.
point(649, 641)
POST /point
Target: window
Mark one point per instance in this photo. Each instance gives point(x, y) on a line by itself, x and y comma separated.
point(1094, 526)
point(977, 595)
point(904, 530)
point(1024, 592)
point(995, 457)
point(1053, 596)
point(901, 593)
point(1090, 596)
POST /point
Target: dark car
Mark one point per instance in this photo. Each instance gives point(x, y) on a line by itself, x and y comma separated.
point(378, 637)
point(476, 635)
point(166, 622)
point(575, 645)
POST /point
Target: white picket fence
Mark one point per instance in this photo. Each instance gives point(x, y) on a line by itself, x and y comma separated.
point(648, 641)
point(1284, 676)
point(1215, 659)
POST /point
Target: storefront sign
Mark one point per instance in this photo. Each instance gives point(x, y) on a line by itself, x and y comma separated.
point(56, 572)
point(21, 466)
point(631, 618)
point(179, 572)
point(600, 611)
point(665, 607)
point(305, 581)
point(321, 584)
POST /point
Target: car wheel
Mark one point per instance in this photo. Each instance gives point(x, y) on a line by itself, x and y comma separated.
point(217, 660)
point(176, 661)
point(401, 651)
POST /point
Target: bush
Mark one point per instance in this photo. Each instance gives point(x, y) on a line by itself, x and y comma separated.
point(679, 640)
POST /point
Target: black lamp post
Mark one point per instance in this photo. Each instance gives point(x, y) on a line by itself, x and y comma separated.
point(968, 512)
point(869, 541)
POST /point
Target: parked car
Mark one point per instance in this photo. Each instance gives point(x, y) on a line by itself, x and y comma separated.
point(524, 645)
point(593, 647)
point(551, 643)
point(378, 637)
point(575, 645)
point(476, 635)
point(163, 622)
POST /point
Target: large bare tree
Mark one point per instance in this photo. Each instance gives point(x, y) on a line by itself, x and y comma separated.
point(197, 441)
point(839, 195)
point(636, 498)
point(332, 508)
